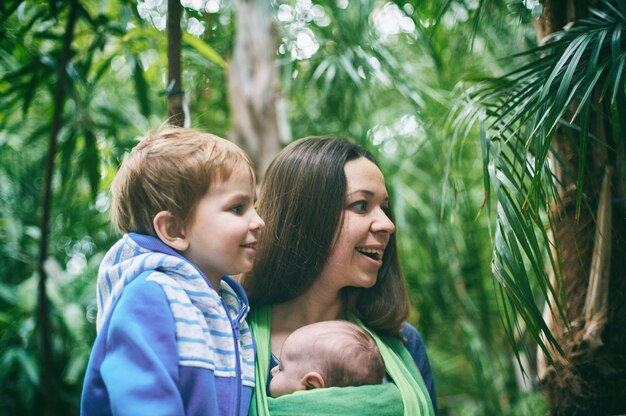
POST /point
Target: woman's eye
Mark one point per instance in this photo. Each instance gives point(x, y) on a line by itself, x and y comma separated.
point(237, 209)
point(360, 206)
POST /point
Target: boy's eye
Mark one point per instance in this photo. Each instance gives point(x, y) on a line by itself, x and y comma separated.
point(237, 209)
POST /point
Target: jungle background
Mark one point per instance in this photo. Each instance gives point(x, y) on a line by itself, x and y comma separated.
point(498, 125)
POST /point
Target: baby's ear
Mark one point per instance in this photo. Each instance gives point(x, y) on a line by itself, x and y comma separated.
point(170, 230)
point(313, 380)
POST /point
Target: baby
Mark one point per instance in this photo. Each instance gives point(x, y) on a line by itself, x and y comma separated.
point(327, 354)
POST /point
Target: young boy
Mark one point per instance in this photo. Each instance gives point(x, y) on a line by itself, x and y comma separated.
point(327, 354)
point(172, 338)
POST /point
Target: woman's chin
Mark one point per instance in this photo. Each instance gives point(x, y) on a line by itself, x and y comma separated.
point(366, 282)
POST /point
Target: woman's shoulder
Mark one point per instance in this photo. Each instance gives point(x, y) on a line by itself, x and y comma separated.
point(411, 337)
point(414, 343)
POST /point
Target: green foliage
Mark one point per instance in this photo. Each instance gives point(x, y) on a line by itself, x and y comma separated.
point(94, 125)
point(112, 97)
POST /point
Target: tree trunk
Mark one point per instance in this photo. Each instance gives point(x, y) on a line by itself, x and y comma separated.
point(259, 122)
point(590, 379)
point(175, 109)
point(48, 384)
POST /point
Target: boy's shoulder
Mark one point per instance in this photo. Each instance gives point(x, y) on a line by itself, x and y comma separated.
point(189, 290)
point(148, 288)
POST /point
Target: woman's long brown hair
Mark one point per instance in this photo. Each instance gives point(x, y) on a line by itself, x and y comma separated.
point(301, 201)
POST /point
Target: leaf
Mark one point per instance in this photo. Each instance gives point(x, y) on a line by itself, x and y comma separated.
point(204, 49)
point(348, 66)
point(141, 87)
point(8, 294)
point(66, 153)
point(75, 369)
point(28, 365)
point(91, 161)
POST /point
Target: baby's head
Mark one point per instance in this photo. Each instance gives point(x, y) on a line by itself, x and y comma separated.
point(194, 191)
point(327, 354)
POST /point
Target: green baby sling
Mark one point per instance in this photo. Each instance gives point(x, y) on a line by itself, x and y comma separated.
point(407, 395)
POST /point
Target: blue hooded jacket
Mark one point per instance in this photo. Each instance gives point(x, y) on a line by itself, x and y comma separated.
point(167, 343)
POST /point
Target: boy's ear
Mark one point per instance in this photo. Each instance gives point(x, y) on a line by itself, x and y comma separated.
point(313, 380)
point(170, 230)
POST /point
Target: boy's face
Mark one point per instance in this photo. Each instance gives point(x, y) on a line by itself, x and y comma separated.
point(224, 228)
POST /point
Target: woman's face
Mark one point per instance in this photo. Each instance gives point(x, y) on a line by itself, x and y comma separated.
point(362, 237)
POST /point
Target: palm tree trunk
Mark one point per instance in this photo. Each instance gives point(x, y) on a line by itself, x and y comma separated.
point(590, 378)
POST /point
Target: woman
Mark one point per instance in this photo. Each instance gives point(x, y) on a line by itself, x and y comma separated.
point(329, 252)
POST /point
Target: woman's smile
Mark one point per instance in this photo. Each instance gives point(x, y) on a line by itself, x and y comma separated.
point(372, 253)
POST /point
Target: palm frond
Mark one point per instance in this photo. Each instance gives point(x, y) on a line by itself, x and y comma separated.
point(520, 111)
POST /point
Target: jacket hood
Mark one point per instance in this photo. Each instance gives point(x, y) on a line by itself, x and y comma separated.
point(135, 254)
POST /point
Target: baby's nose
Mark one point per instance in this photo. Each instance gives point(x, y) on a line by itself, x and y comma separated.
point(274, 370)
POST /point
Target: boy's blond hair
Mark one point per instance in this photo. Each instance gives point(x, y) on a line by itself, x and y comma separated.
point(170, 170)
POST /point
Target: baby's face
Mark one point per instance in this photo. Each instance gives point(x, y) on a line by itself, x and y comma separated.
point(288, 376)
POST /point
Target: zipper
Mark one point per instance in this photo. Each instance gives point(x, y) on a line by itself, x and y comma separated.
point(238, 367)
point(234, 325)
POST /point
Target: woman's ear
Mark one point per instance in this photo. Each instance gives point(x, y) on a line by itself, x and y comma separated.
point(313, 380)
point(170, 230)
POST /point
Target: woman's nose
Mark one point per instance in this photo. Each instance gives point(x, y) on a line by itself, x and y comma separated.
point(257, 223)
point(382, 223)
